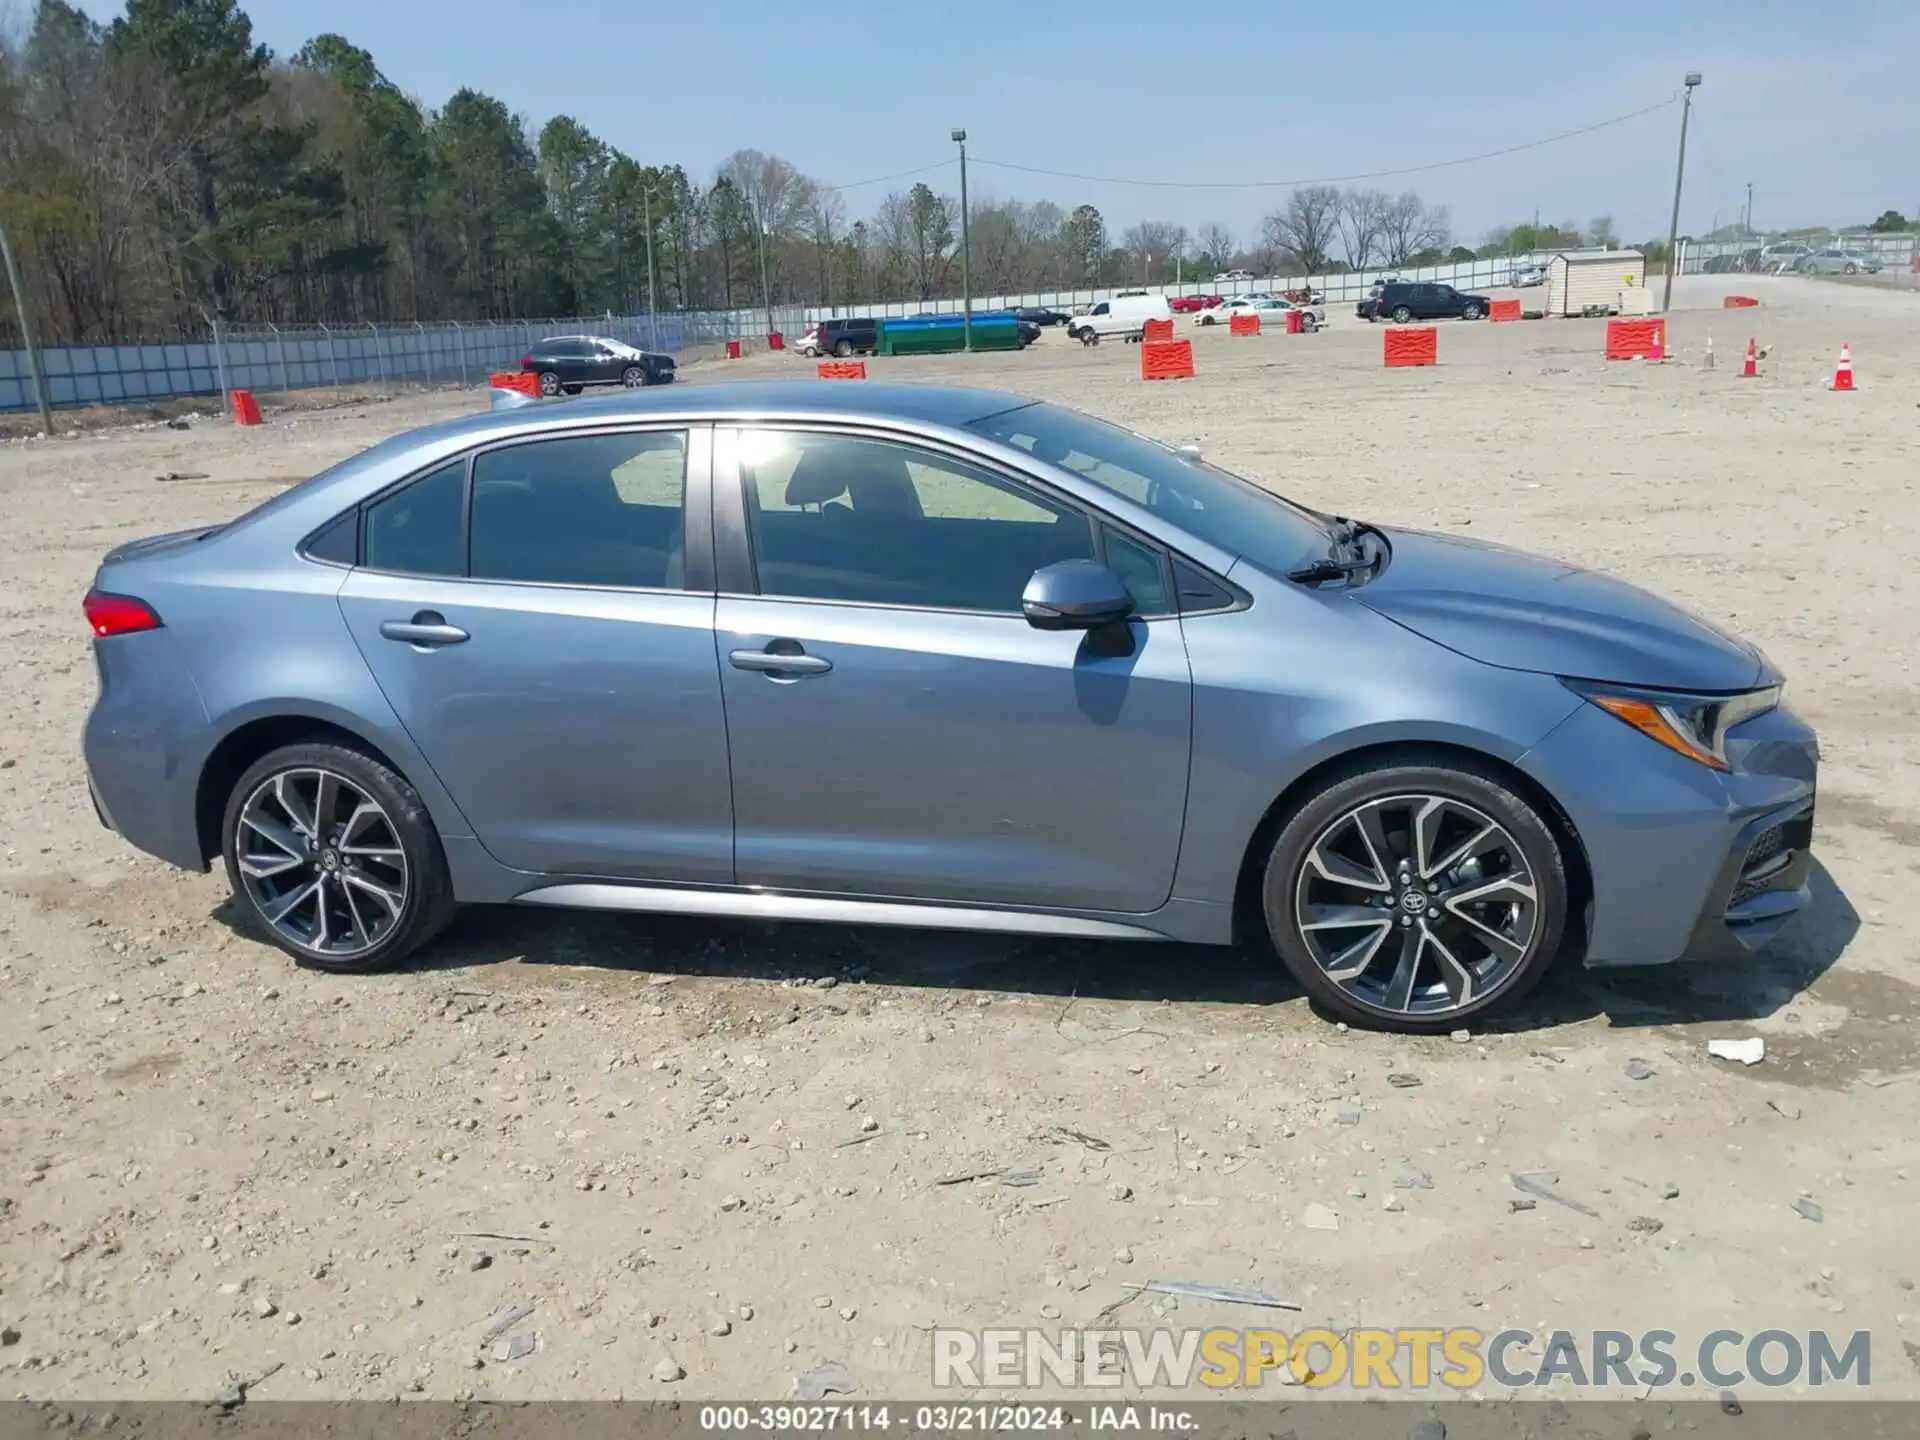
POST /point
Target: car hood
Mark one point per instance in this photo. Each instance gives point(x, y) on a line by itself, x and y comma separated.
point(1525, 612)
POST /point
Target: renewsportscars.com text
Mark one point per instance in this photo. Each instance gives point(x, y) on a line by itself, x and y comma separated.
point(1408, 1358)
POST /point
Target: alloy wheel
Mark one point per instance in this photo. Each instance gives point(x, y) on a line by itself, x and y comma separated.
point(1416, 905)
point(322, 862)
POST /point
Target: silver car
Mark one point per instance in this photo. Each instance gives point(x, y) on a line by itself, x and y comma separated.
point(906, 655)
point(1835, 261)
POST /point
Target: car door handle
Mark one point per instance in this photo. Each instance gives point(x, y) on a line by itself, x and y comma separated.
point(779, 665)
point(428, 629)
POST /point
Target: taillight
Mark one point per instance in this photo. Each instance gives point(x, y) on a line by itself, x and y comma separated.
point(526, 362)
point(118, 614)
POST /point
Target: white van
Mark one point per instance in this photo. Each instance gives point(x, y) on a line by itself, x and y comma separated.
point(1125, 314)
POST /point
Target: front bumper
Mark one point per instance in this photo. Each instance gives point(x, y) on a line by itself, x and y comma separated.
point(1686, 862)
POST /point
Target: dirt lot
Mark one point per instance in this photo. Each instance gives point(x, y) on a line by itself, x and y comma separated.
point(720, 1146)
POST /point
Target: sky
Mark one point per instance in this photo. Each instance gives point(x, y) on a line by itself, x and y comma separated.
point(1816, 106)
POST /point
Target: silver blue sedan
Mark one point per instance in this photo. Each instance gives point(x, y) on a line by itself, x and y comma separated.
point(907, 655)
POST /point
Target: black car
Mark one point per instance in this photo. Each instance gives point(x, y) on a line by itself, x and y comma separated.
point(1404, 300)
point(859, 335)
point(1039, 315)
point(568, 363)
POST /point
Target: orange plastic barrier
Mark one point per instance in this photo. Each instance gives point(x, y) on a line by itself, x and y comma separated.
point(1738, 302)
point(733, 349)
point(518, 380)
point(1166, 360)
point(1157, 330)
point(246, 411)
point(1636, 339)
point(1243, 324)
point(843, 369)
point(1504, 310)
point(1412, 347)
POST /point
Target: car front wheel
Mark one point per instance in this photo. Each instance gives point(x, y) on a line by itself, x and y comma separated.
point(332, 857)
point(633, 377)
point(1472, 312)
point(1416, 897)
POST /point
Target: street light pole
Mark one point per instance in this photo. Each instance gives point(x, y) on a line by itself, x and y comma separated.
point(653, 325)
point(26, 337)
point(766, 290)
point(966, 248)
point(1749, 207)
point(1679, 175)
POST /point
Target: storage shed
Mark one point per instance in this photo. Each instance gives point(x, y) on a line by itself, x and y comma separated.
point(1589, 282)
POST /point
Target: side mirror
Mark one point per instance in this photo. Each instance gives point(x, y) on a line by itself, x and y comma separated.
point(1075, 595)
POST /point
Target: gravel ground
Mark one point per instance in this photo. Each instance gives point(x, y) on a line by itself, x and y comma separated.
point(718, 1148)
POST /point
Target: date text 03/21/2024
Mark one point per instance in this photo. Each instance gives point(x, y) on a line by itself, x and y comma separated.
point(943, 1419)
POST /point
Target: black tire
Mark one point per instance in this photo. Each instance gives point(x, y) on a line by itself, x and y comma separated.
point(843, 348)
point(1472, 312)
point(634, 376)
point(1402, 315)
point(1851, 270)
point(1454, 780)
point(549, 383)
point(428, 903)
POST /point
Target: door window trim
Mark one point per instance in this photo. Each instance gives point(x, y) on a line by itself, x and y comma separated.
point(696, 510)
point(736, 573)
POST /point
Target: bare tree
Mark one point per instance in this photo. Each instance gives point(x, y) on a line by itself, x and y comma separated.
point(1602, 232)
point(1360, 218)
point(1408, 226)
point(1216, 244)
point(917, 231)
point(1154, 240)
point(1308, 226)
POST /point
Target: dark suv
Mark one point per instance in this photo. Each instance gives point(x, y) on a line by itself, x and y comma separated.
point(1404, 300)
point(570, 362)
point(857, 336)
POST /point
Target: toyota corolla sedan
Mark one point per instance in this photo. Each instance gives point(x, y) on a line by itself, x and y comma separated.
point(908, 655)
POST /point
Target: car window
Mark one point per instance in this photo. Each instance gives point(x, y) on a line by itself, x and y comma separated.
point(1142, 570)
point(416, 530)
point(1233, 515)
point(838, 517)
point(582, 510)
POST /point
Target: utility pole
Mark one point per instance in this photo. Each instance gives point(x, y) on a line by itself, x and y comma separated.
point(966, 247)
point(26, 338)
point(653, 325)
point(1679, 175)
point(1749, 206)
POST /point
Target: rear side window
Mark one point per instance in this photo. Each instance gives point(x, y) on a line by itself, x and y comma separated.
point(583, 510)
point(417, 530)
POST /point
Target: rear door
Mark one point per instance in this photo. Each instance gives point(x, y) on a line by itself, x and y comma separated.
point(896, 727)
point(540, 616)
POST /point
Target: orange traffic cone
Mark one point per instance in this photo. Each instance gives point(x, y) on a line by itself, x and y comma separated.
point(1752, 367)
point(1843, 372)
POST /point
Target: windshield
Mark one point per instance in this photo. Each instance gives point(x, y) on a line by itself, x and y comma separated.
point(1232, 514)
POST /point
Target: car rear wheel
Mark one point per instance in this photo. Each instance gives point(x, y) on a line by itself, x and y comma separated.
point(332, 857)
point(1472, 312)
point(549, 383)
point(634, 376)
point(1402, 315)
point(1851, 269)
point(1416, 897)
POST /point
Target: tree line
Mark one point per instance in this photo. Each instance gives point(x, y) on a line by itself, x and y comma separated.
point(164, 170)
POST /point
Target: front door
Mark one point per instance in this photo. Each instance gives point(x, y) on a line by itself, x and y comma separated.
point(897, 728)
point(545, 649)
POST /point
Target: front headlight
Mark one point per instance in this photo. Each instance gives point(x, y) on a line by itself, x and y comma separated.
point(1694, 725)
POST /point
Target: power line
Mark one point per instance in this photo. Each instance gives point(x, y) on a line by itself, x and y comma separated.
point(897, 175)
point(1330, 179)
